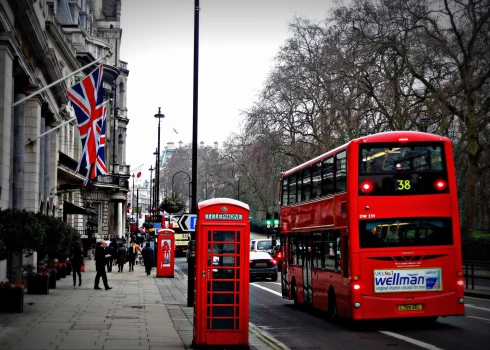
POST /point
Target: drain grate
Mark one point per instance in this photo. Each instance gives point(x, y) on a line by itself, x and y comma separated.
point(124, 317)
point(136, 306)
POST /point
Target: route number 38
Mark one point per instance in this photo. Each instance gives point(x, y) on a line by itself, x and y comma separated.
point(403, 185)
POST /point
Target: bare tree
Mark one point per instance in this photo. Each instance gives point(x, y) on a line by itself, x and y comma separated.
point(443, 45)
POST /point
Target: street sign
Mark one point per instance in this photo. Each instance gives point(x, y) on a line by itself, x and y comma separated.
point(187, 222)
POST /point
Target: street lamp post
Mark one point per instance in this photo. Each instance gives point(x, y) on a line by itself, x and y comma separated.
point(192, 259)
point(151, 204)
point(137, 206)
point(425, 121)
point(159, 115)
point(132, 202)
point(155, 179)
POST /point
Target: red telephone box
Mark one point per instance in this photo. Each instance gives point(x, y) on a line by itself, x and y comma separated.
point(165, 253)
point(221, 302)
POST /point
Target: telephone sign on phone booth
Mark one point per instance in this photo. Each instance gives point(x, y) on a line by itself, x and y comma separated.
point(221, 303)
point(165, 252)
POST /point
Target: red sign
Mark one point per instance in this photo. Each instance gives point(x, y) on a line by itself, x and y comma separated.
point(165, 253)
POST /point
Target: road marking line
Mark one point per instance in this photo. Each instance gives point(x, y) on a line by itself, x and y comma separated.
point(266, 337)
point(475, 298)
point(267, 289)
point(479, 318)
point(477, 307)
point(410, 340)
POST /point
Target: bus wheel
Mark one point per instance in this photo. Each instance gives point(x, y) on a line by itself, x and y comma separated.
point(332, 307)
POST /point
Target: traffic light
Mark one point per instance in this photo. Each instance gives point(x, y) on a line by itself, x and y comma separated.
point(275, 229)
point(268, 222)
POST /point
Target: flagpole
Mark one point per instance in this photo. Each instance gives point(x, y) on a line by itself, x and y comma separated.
point(60, 80)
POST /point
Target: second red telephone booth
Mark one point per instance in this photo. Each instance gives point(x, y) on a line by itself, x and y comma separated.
point(165, 253)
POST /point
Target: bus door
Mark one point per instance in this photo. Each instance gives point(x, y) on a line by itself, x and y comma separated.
point(307, 287)
point(286, 253)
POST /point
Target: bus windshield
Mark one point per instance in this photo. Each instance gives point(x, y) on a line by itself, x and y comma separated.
point(396, 170)
point(395, 158)
point(408, 232)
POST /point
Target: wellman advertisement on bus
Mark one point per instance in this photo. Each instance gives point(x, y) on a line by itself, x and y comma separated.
point(407, 280)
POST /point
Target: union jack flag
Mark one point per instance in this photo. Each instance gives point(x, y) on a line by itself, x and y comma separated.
point(87, 98)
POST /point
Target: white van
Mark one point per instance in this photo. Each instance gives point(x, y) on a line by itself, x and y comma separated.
point(258, 245)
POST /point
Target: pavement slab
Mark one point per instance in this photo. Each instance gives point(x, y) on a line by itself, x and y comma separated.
point(140, 312)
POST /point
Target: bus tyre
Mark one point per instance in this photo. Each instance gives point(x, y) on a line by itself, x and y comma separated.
point(274, 278)
point(332, 307)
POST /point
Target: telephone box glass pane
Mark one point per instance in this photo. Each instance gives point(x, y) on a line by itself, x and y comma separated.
point(224, 236)
point(224, 274)
point(223, 287)
point(223, 260)
point(223, 311)
point(220, 248)
point(223, 298)
point(222, 323)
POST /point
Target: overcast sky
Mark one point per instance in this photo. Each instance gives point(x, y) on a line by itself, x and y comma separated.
point(238, 40)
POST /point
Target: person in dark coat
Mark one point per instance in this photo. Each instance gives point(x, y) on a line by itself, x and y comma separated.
point(132, 253)
point(111, 249)
point(100, 263)
point(148, 258)
point(121, 257)
point(76, 263)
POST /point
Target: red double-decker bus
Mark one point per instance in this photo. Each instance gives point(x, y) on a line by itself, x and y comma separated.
point(371, 229)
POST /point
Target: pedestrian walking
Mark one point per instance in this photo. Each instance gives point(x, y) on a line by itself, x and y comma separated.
point(148, 258)
point(76, 263)
point(112, 250)
point(132, 252)
point(121, 257)
point(100, 264)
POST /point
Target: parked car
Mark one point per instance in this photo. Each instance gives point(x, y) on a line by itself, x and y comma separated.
point(261, 245)
point(262, 265)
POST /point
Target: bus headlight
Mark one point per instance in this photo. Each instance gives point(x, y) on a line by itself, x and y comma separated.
point(461, 300)
point(357, 305)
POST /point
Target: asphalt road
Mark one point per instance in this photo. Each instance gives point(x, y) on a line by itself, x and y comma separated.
point(306, 329)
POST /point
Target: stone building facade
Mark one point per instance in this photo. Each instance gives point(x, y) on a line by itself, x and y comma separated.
point(42, 42)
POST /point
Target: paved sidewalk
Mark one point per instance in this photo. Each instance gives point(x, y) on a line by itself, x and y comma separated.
point(140, 312)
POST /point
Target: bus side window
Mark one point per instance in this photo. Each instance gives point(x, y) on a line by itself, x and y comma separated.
point(328, 250)
point(300, 251)
point(292, 189)
point(316, 189)
point(292, 253)
point(340, 172)
point(317, 250)
point(306, 185)
point(285, 194)
point(338, 257)
point(327, 177)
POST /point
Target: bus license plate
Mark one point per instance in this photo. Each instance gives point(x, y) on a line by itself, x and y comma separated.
point(411, 307)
